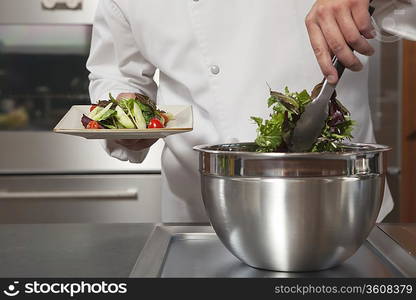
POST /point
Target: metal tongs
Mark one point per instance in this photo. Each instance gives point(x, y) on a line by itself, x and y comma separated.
point(309, 127)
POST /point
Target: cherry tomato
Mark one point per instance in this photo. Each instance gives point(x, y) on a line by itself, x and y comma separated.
point(93, 125)
point(93, 107)
point(155, 123)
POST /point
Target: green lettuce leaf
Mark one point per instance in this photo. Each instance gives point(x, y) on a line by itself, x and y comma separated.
point(274, 134)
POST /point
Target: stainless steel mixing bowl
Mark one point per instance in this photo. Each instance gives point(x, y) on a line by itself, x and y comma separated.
point(292, 211)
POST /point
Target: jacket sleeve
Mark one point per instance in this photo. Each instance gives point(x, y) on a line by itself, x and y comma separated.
point(117, 66)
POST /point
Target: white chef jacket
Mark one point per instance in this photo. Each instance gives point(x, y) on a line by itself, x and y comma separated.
point(217, 56)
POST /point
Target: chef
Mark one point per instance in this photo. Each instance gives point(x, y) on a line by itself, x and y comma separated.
point(217, 56)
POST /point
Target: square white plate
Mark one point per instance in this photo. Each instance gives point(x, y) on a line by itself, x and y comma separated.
point(71, 124)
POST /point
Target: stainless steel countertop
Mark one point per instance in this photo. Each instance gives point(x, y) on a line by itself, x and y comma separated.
point(96, 250)
point(71, 250)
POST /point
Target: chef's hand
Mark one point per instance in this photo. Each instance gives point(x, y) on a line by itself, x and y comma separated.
point(135, 145)
point(332, 26)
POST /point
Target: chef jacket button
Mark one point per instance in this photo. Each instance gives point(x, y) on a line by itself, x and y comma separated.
point(215, 69)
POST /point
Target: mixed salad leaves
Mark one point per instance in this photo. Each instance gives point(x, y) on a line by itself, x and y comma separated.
point(135, 113)
point(274, 134)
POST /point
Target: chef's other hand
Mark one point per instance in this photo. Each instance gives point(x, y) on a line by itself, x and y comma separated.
point(126, 96)
point(332, 26)
point(135, 145)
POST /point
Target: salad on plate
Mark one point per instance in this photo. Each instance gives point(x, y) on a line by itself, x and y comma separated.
point(134, 113)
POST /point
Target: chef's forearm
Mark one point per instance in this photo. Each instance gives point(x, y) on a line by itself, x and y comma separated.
point(116, 63)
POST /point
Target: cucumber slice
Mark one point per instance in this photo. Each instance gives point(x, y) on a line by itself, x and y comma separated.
point(138, 117)
point(101, 113)
point(123, 119)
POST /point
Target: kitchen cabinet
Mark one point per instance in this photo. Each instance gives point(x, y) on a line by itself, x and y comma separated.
point(384, 93)
point(408, 136)
point(109, 198)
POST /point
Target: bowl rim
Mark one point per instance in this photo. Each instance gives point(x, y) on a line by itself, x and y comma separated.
point(366, 148)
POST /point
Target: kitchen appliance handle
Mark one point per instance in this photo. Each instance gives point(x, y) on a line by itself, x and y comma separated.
point(114, 194)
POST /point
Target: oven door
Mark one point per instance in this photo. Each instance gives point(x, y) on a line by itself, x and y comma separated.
point(48, 177)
